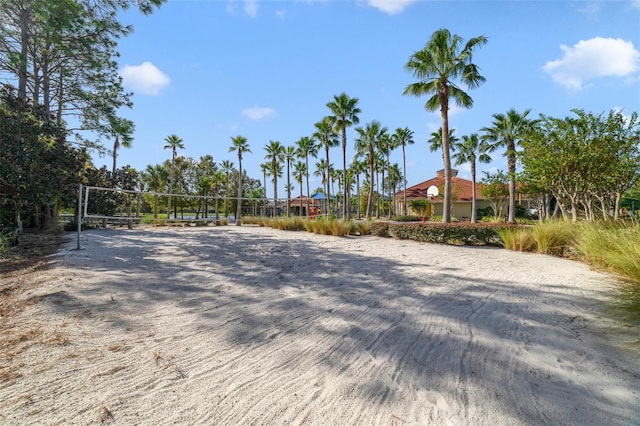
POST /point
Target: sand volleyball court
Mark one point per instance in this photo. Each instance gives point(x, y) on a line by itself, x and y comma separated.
point(254, 326)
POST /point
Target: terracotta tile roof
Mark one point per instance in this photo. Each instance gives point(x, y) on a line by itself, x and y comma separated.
point(460, 189)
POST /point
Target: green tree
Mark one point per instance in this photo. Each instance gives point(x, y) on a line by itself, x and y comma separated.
point(401, 138)
point(240, 146)
point(366, 142)
point(326, 138)
point(155, 176)
point(394, 178)
point(306, 146)
point(289, 156)
point(495, 189)
point(228, 168)
point(471, 151)
point(275, 155)
point(356, 168)
point(442, 61)
point(299, 171)
point(218, 177)
point(506, 131)
point(345, 114)
point(173, 142)
point(62, 55)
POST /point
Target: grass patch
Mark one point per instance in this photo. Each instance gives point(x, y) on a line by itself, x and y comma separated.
point(517, 239)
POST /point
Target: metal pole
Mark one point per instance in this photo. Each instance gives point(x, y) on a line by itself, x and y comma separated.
point(79, 218)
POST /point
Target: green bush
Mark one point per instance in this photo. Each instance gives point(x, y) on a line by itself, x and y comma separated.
point(380, 229)
point(464, 233)
point(517, 239)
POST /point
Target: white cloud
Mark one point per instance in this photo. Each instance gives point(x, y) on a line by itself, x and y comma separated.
point(635, 4)
point(391, 7)
point(249, 7)
point(590, 8)
point(145, 78)
point(593, 58)
point(258, 113)
point(281, 14)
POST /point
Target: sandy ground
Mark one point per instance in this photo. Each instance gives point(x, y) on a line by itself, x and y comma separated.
point(246, 325)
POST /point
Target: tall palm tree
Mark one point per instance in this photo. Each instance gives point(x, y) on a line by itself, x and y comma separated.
point(264, 168)
point(470, 150)
point(403, 137)
point(227, 168)
point(155, 176)
point(393, 178)
point(327, 139)
point(442, 61)
point(289, 156)
point(122, 130)
point(299, 171)
point(505, 132)
point(385, 145)
point(240, 146)
point(322, 171)
point(345, 114)
point(306, 146)
point(275, 155)
point(366, 142)
point(435, 144)
point(379, 164)
point(173, 142)
point(358, 167)
point(435, 141)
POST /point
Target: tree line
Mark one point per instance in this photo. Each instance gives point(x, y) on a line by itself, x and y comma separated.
point(61, 54)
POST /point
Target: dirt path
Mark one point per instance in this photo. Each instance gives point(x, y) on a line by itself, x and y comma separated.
point(246, 325)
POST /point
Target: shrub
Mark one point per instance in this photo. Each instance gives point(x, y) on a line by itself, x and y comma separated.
point(517, 239)
point(380, 229)
point(449, 233)
point(554, 237)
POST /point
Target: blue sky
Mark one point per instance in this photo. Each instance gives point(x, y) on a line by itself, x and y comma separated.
point(211, 70)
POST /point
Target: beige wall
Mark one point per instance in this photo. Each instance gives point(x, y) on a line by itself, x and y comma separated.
point(460, 209)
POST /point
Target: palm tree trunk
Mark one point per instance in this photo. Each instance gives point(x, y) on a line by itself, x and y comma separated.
point(239, 204)
point(512, 183)
point(474, 215)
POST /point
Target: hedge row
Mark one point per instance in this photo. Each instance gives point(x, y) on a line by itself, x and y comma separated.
point(476, 234)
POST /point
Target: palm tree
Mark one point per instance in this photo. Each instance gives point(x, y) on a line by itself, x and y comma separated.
point(345, 114)
point(379, 164)
point(366, 141)
point(173, 143)
point(155, 176)
point(306, 146)
point(264, 168)
point(227, 168)
point(217, 178)
point(322, 171)
point(327, 139)
point(394, 178)
point(436, 66)
point(240, 145)
point(403, 137)
point(300, 170)
point(289, 156)
point(385, 145)
point(469, 151)
point(357, 167)
point(435, 141)
point(505, 132)
point(275, 154)
point(122, 130)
